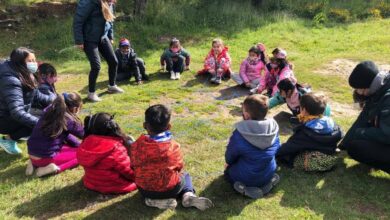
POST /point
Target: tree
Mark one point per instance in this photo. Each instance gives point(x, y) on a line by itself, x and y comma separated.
point(139, 7)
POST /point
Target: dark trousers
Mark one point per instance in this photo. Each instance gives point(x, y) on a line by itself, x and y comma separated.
point(92, 50)
point(136, 69)
point(371, 153)
point(184, 186)
point(14, 129)
point(175, 64)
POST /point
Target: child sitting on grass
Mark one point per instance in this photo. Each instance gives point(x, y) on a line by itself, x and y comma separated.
point(104, 157)
point(251, 68)
point(158, 165)
point(291, 94)
point(47, 77)
point(175, 59)
point(250, 154)
point(316, 132)
point(52, 145)
point(217, 62)
point(129, 64)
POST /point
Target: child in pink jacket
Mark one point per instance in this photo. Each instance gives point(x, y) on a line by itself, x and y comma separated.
point(218, 62)
point(250, 70)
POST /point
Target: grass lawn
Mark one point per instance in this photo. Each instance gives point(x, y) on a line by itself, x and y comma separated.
point(203, 118)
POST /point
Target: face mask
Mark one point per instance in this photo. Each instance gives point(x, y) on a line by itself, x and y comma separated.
point(175, 50)
point(274, 66)
point(32, 66)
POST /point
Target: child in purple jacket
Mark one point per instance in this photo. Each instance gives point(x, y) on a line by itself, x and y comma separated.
point(52, 144)
point(251, 68)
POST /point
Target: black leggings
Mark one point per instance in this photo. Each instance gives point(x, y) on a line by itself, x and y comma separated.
point(371, 153)
point(92, 50)
point(14, 129)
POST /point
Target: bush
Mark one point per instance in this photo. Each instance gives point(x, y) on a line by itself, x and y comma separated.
point(339, 15)
point(371, 13)
point(385, 9)
point(320, 19)
point(310, 10)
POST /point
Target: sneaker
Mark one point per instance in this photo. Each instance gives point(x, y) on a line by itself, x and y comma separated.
point(253, 91)
point(10, 146)
point(173, 75)
point(252, 192)
point(218, 80)
point(114, 89)
point(49, 169)
point(213, 78)
point(201, 203)
point(29, 168)
point(161, 203)
point(93, 97)
point(177, 75)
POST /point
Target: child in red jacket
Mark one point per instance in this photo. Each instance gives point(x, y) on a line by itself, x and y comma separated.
point(158, 165)
point(104, 157)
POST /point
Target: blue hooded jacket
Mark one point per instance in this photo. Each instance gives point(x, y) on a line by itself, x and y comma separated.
point(250, 154)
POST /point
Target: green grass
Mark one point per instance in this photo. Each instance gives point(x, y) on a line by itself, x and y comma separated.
point(203, 116)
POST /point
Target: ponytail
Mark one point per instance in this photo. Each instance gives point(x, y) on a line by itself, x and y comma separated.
point(107, 12)
point(54, 121)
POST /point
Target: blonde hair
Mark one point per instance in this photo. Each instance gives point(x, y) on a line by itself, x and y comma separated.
point(106, 10)
point(217, 40)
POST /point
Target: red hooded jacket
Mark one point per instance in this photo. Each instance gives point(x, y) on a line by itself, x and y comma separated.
point(157, 165)
point(222, 60)
point(106, 164)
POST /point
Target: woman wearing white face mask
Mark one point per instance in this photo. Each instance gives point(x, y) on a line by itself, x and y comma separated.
point(18, 89)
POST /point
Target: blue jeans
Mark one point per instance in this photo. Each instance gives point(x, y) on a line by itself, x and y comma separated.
point(185, 185)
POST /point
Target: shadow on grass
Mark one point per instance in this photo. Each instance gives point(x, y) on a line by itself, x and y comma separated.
point(343, 193)
point(227, 203)
point(128, 208)
point(14, 176)
point(233, 92)
point(199, 79)
point(59, 201)
point(285, 127)
point(7, 159)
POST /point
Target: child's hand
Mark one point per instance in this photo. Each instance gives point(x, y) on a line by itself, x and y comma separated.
point(248, 84)
point(187, 68)
point(261, 47)
point(162, 67)
point(80, 46)
point(220, 70)
point(140, 82)
point(212, 71)
point(226, 165)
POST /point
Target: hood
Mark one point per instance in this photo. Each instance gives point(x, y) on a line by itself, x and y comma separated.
point(5, 68)
point(379, 81)
point(261, 134)
point(324, 125)
point(94, 148)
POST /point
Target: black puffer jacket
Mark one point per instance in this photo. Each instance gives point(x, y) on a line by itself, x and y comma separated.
point(15, 99)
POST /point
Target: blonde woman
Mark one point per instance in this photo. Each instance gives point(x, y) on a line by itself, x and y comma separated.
point(93, 33)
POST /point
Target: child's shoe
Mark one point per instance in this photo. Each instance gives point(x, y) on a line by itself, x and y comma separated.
point(218, 80)
point(29, 168)
point(253, 91)
point(93, 97)
point(10, 146)
point(173, 75)
point(161, 203)
point(252, 192)
point(213, 78)
point(267, 188)
point(49, 169)
point(191, 200)
point(177, 75)
point(114, 89)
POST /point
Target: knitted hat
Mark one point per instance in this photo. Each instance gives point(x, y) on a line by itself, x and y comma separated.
point(124, 42)
point(363, 75)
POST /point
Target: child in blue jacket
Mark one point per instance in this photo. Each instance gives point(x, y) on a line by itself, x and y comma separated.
point(250, 154)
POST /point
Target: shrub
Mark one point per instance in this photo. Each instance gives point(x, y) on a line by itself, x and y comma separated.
point(320, 19)
point(310, 10)
point(371, 13)
point(339, 15)
point(385, 9)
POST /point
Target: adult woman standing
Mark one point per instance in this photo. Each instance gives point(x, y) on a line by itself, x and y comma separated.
point(18, 89)
point(368, 140)
point(93, 32)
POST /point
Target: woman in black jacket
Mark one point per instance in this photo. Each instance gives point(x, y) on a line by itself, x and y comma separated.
point(18, 89)
point(93, 32)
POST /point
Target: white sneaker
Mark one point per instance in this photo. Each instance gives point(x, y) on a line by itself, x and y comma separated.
point(93, 97)
point(173, 75)
point(29, 168)
point(161, 203)
point(213, 78)
point(177, 75)
point(253, 91)
point(49, 169)
point(191, 200)
point(114, 89)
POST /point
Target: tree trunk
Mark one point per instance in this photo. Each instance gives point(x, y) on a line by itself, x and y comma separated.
point(139, 7)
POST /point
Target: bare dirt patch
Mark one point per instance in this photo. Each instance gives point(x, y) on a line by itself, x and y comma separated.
point(344, 67)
